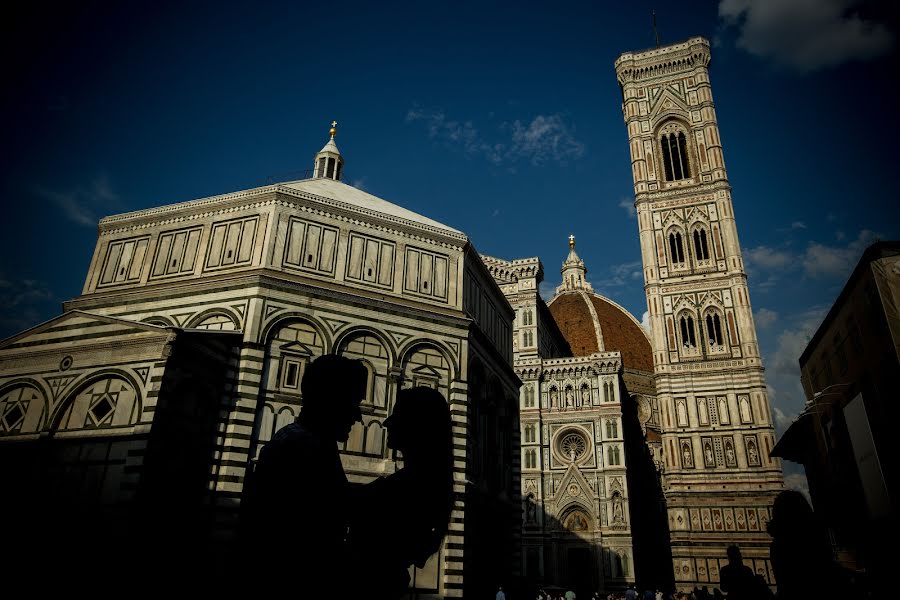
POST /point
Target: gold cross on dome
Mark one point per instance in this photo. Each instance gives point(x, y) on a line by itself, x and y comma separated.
point(571, 241)
point(334, 123)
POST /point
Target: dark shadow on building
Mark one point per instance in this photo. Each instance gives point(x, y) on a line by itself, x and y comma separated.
point(649, 523)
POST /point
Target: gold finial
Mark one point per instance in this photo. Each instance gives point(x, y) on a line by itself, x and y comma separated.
point(333, 129)
point(571, 241)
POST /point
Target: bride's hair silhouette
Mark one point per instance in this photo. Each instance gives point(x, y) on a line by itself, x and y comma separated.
point(401, 519)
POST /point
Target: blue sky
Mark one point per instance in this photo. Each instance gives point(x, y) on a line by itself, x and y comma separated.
point(500, 119)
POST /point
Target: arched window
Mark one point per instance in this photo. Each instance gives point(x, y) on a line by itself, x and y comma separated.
point(530, 459)
point(21, 409)
point(714, 330)
point(218, 321)
point(676, 248)
point(613, 456)
point(529, 396)
point(609, 392)
point(701, 249)
point(529, 433)
point(688, 337)
point(615, 428)
point(673, 145)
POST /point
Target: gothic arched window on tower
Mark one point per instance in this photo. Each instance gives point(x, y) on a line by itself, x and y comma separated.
point(676, 247)
point(714, 331)
point(688, 335)
point(673, 146)
point(701, 248)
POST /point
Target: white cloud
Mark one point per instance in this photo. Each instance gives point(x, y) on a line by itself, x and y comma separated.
point(782, 419)
point(15, 294)
point(547, 289)
point(620, 275)
point(798, 482)
point(83, 205)
point(795, 225)
point(645, 322)
point(18, 299)
point(783, 367)
point(820, 260)
point(456, 133)
point(816, 261)
point(765, 318)
point(805, 35)
point(628, 206)
point(544, 139)
point(768, 258)
point(359, 184)
point(792, 343)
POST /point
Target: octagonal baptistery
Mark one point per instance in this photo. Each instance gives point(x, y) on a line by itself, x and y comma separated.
point(194, 328)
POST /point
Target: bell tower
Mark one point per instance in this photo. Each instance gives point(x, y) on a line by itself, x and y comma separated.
point(716, 418)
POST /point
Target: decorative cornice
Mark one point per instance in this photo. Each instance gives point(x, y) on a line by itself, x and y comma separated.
point(684, 192)
point(243, 200)
point(663, 62)
point(510, 271)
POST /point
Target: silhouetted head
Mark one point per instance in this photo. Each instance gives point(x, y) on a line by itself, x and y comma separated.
point(419, 426)
point(790, 512)
point(332, 388)
point(734, 554)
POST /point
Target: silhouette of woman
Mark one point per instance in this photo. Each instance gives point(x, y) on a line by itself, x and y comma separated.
point(400, 520)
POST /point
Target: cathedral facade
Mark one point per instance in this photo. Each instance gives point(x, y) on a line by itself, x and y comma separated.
point(589, 433)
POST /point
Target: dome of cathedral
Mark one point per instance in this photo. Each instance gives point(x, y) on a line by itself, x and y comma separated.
point(592, 323)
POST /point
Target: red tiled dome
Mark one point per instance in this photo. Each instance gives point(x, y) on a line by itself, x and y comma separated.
point(619, 330)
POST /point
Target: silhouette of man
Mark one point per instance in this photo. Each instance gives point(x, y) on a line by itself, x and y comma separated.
point(297, 495)
point(737, 579)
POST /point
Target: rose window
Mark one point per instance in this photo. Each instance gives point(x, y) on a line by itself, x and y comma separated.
point(572, 446)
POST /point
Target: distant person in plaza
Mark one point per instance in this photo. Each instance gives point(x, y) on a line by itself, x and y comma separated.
point(737, 579)
point(400, 520)
point(296, 500)
point(500, 595)
point(570, 595)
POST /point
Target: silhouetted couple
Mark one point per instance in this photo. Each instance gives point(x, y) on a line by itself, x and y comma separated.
point(309, 531)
